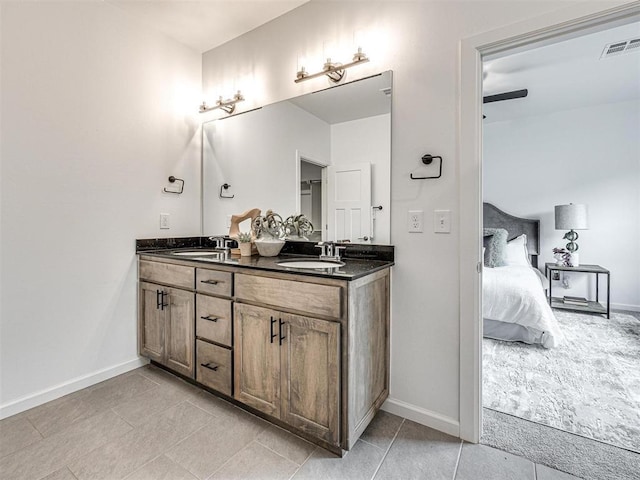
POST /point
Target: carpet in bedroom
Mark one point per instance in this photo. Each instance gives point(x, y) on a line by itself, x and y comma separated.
point(589, 385)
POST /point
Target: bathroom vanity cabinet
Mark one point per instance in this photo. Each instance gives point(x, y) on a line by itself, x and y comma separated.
point(166, 328)
point(288, 366)
point(307, 352)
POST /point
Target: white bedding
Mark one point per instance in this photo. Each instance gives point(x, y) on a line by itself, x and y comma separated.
point(515, 295)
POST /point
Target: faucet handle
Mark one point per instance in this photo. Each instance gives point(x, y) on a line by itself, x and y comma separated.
point(227, 243)
point(323, 248)
point(338, 248)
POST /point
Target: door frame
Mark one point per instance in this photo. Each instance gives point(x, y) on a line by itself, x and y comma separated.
point(575, 20)
point(301, 156)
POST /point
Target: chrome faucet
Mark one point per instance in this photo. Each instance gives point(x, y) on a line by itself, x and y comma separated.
point(219, 242)
point(329, 251)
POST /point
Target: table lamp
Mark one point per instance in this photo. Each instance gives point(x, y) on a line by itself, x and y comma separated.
point(572, 217)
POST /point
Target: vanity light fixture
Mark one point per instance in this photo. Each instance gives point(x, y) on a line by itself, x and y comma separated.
point(227, 105)
point(335, 71)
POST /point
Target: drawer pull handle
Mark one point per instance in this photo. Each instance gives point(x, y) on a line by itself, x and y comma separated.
point(210, 318)
point(211, 282)
point(210, 367)
point(273, 335)
point(282, 337)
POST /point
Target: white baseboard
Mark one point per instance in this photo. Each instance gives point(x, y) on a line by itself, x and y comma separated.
point(622, 306)
point(422, 416)
point(44, 396)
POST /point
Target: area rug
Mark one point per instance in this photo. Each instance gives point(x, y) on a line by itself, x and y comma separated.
point(589, 385)
point(567, 452)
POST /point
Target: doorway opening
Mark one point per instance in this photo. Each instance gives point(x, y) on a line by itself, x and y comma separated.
point(550, 343)
point(476, 174)
point(312, 198)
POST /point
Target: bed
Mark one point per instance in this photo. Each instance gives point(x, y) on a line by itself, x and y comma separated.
point(514, 304)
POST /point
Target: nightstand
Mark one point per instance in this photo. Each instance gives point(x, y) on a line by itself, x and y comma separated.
point(591, 307)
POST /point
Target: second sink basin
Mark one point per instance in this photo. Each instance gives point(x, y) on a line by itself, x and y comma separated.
point(201, 253)
point(311, 264)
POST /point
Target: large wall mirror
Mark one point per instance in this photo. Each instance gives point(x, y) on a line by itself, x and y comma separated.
point(326, 154)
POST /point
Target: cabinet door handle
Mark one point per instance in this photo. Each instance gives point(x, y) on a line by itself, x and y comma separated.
point(211, 282)
point(210, 367)
point(158, 301)
point(210, 318)
point(282, 337)
point(162, 304)
point(273, 335)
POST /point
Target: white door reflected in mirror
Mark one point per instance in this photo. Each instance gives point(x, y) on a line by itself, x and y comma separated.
point(349, 202)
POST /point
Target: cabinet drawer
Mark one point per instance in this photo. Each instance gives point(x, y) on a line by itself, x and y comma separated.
point(166, 273)
point(213, 319)
point(214, 281)
point(312, 298)
point(217, 373)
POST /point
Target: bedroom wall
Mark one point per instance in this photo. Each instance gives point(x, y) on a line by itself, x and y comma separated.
point(97, 111)
point(420, 42)
point(589, 155)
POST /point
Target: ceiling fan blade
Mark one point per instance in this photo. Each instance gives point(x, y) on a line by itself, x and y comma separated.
point(505, 96)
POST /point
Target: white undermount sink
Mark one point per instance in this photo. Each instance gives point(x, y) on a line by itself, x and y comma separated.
point(311, 264)
point(202, 253)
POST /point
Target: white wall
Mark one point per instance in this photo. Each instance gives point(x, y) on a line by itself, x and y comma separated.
point(256, 155)
point(368, 140)
point(589, 155)
point(420, 42)
point(96, 114)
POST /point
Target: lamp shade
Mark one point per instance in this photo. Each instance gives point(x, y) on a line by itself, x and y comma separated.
point(572, 217)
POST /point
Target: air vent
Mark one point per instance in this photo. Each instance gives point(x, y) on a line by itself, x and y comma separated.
point(617, 48)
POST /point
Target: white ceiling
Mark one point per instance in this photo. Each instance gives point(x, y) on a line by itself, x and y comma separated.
point(206, 24)
point(563, 76)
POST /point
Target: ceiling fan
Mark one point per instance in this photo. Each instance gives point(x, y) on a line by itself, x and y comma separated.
point(499, 97)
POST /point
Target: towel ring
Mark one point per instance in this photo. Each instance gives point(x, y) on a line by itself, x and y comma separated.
point(225, 186)
point(427, 159)
point(173, 179)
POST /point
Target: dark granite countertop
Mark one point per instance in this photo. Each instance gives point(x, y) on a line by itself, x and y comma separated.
point(359, 261)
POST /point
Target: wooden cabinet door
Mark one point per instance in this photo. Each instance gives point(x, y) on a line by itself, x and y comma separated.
point(151, 329)
point(310, 375)
point(257, 358)
point(180, 331)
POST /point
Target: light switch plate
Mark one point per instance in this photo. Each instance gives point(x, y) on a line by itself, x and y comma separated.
point(442, 221)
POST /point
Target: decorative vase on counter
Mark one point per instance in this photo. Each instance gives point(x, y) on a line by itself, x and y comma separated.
point(269, 247)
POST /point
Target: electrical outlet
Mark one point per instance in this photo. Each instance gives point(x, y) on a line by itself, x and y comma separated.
point(164, 221)
point(415, 221)
point(442, 221)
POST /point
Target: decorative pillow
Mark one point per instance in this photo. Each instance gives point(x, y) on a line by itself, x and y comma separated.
point(495, 243)
point(516, 252)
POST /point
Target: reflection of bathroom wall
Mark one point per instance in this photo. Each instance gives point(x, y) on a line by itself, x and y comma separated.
point(256, 154)
point(368, 140)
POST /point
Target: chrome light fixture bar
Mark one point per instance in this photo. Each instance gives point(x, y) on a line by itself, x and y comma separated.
point(335, 71)
point(227, 105)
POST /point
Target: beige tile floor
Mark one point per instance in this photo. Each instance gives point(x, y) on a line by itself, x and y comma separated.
point(149, 425)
